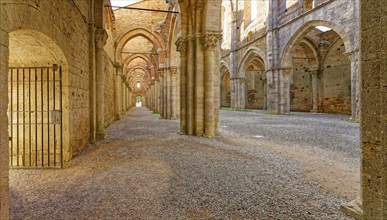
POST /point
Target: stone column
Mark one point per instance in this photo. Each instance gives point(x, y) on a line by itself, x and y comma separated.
point(273, 58)
point(162, 101)
point(118, 95)
point(284, 88)
point(173, 72)
point(4, 141)
point(373, 121)
point(123, 95)
point(128, 97)
point(181, 45)
point(315, 95)
point(210, 41)
point(100, 40)
point(190, 84)
point(152, 93)
point(235, 36)
point(264, 91)
point(238, 94)
point(167, 95)
point(157, 95)
point(355, 84)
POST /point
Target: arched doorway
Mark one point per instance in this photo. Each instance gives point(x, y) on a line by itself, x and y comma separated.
point(255, 81)
point(38, 101)
point(226, 90)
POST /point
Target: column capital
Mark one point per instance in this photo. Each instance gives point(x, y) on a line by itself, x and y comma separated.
point(181, 45)
point(211, 39)
point(100, 37)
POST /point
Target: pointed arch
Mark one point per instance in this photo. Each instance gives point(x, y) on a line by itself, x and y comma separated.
point(153, 38)
point(286, 59)
point(251, 54)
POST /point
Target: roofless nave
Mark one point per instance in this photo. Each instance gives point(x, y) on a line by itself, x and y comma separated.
point(69, 69)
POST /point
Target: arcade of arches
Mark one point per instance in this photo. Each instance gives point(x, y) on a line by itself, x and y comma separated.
point(69, 69)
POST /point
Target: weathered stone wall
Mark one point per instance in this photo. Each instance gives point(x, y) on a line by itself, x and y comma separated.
point(109, 73)
point(300, 83)
point(336, 80)
point(4, 187)
point(374, 108)
point(65, 23)
point(255, 89)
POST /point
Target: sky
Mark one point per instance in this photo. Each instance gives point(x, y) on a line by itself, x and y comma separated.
point(123, 2)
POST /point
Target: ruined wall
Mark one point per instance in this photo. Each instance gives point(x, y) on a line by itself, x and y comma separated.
point(300, 83)
point(255, 89)
point(66, 24)
point(336, 80)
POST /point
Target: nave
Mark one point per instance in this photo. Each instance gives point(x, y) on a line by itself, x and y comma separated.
point(147, 170)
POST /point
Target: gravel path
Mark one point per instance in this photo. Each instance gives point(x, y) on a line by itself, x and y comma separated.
point(260, 167)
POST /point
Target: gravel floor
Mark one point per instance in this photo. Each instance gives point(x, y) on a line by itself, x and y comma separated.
point(261, 166)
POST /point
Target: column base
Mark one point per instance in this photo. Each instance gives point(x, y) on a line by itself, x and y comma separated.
point(182, 133)
point(314, 111)
point(100, 135)
point(118, 116)
point(353, 209)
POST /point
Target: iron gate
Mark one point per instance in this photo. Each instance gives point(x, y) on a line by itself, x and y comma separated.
point(35, 117)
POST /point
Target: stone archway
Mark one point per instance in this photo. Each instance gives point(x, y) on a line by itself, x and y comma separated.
point(157, 41)
point(249, 85)
point(44, 91)
point(348, 53)
point(225, 86)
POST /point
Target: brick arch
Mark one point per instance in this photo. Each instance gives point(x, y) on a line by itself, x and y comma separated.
point(344, 33)
point(154, 39)
point(253, 53)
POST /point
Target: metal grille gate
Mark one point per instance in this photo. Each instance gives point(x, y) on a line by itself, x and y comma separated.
point(35, 117)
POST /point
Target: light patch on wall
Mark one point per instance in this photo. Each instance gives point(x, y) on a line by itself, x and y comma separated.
point(123, 3)
point(323, 28)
